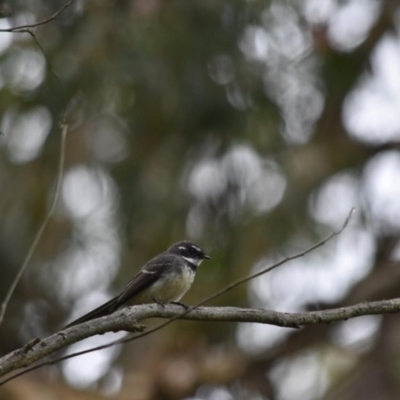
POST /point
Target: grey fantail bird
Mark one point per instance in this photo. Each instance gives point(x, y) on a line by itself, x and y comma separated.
point(164, 279)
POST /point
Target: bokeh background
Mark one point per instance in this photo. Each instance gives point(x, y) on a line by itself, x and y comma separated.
point(250, 127)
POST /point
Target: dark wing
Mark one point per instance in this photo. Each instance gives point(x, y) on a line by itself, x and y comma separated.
point(145, 278)
point(149, 274)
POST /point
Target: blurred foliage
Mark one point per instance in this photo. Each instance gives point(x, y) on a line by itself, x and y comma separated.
point(223, 122)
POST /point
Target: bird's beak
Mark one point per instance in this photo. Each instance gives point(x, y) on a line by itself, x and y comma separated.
point(206, 257)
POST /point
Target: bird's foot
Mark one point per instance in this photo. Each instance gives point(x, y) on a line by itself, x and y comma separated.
point(160, 303)
point(178, 303)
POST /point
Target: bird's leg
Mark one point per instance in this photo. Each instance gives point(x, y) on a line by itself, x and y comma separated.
point(160, 303)
point(178, 303)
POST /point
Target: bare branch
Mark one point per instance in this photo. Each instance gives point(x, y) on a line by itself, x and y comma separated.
point(58, 80)
point(284, 261)
point(39, 234)
point(127, 319)
point(110, 319)
point(217, 294)
point(26, 28)
point(64, 130)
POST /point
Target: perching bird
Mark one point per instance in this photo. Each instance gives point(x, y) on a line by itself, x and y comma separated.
point(164, 279)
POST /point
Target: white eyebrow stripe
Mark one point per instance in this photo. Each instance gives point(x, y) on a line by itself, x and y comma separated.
point(148, 272)
point(182, 248)
point(196, 248)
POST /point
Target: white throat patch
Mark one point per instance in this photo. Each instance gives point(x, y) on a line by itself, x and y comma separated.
point(194, 261)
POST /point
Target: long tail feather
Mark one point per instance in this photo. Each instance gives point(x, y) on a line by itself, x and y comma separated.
point(103, 310)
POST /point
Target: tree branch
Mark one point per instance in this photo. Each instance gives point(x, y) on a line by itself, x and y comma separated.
point(26, 28)
point(4, 305)
point(20, 358)
point(127, 319)
point(64, 131)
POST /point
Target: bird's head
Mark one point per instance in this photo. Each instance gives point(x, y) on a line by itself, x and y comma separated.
point(189, 251)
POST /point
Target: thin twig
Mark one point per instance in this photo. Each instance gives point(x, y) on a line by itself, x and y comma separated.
point(219, 293)
point(39, 234)
point(64, 130)
point(183, 314)
point(25, 28)
point(49, 66)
